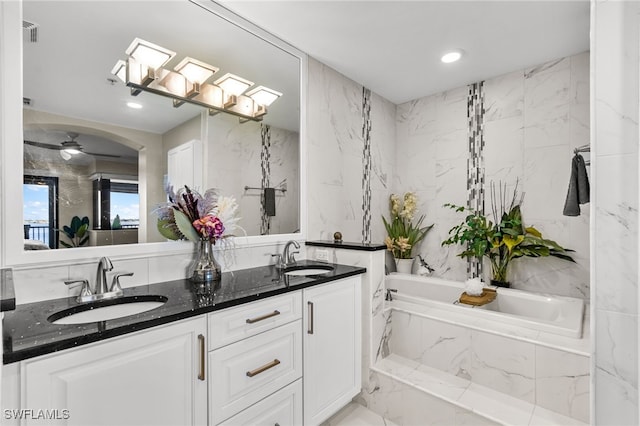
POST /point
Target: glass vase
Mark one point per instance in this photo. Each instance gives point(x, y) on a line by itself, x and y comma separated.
point(206, 268)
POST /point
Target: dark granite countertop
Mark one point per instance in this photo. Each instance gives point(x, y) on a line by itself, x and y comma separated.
point(27, 333)
point(347, 245)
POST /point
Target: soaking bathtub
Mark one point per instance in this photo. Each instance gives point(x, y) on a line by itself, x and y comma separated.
point(546, 313)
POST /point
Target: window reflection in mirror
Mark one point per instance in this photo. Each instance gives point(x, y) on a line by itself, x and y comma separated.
point(126, 154)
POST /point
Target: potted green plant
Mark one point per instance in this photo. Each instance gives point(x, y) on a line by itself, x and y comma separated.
point(503, 241)
point(402, 233)
point(76, 232)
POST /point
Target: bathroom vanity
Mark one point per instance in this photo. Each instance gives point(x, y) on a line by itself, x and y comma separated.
point(262, 348)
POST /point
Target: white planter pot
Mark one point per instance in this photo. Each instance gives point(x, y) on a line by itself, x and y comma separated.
point(404, 266)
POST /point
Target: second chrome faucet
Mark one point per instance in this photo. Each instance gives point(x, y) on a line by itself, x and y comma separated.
point(287, 258)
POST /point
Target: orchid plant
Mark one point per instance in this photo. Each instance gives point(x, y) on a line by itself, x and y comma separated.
point(402, 233)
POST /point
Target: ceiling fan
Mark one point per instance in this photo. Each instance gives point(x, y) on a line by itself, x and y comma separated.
point(69, 147)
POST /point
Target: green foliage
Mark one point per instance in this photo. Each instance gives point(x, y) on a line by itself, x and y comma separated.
point(501, 242)
point(116, 223)
point(184, 224)
point(76, 232)
point(474, 233)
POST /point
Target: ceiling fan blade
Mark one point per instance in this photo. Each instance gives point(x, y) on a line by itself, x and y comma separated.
point(102, 155)
point(43, 145)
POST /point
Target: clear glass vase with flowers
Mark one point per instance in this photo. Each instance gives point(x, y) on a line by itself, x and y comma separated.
point(206, 220)
point(403, 234)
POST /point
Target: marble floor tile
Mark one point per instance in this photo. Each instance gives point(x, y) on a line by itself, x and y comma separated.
point(356, 415)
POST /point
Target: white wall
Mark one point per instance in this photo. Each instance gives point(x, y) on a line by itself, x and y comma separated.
point(614, 47)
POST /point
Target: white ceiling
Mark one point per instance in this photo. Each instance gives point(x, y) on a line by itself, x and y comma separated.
point(391, 47)
point(394, 47)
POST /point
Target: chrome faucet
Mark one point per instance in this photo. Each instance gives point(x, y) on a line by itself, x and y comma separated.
point(287, 256)
point(104, 265)
point(101, 290)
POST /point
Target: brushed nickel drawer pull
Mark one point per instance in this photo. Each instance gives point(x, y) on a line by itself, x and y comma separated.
point(310, 313)
point(263, 368)
point(263, 317)
point(202, 355)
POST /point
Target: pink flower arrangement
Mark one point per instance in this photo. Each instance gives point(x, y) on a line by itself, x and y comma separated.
point(209, 227)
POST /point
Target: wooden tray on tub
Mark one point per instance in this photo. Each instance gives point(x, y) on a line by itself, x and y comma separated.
point(488, 295)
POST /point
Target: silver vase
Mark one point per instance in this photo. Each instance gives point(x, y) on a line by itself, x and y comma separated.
point(206, 268)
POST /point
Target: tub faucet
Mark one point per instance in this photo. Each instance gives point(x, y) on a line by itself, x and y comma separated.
point(104, 265)
point(388, 297)
point(287, 256)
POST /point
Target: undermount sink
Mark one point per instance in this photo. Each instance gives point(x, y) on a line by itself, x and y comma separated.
point(302, 270)
point(105, 310)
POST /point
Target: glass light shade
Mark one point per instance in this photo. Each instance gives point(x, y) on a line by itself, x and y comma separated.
point(175, 83)
point(149, 54)
point(120, 70)
point(72, 151)
point(263, 95)
point(195, 71)
point(232, 84)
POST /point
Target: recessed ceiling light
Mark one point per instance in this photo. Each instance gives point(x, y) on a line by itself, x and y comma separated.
point(134, 105)
point(451, 56)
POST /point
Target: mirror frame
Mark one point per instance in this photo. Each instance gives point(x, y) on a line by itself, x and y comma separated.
point(12, 253)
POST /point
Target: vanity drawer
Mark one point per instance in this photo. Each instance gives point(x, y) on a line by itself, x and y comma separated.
point(234, 324)
point(283, 408)
point(245, 372)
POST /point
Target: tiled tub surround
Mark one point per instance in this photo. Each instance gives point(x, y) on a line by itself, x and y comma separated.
point(27, 333)
point(450, 366)
point(533, 119)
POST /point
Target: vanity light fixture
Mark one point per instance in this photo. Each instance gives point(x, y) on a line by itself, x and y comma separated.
point(451, 56)
point(149, 54)
point(233, 87)
point(263, 95)
point(195, 71)
point(120, 70)
point(142, 71)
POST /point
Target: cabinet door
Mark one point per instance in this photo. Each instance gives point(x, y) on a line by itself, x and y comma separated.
point(332, 348)
point(184, 165)
point(146, 378)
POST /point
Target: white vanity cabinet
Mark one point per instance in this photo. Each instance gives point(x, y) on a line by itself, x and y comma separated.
point(256, 354)
point(332, 347)
point(289, 360)
point(146, 378)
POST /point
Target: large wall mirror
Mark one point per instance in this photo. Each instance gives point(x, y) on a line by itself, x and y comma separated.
point(127, 148)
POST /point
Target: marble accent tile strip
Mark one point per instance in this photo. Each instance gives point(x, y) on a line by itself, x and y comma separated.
point(265, 156)
point(366, 166)
point(475, 162)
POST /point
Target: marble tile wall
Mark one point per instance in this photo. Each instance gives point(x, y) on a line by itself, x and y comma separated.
point(615, 50)
point(550, 378)
point(533, 119)
point(335, 153)
point(237, 143)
